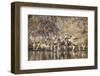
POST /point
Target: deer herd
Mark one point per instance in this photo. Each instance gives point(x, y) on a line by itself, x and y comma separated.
point(57, 47)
